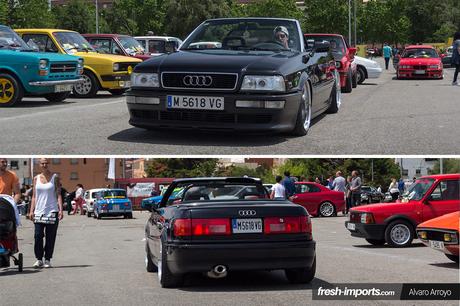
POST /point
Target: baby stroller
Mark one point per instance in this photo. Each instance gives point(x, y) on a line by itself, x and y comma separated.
point(8, 238)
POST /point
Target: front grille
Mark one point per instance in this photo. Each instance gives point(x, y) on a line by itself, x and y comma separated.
point(420, 67)
point(220, 81)
point(60, 68)
point(124, 66)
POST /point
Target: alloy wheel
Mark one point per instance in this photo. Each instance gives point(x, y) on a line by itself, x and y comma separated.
point(306, 109)
point(84, 87)
point(400, 234)
point(6, 91)
point(326, 209)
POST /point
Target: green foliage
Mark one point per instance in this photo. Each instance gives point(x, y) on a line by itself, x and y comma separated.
point(77, 15)
point(29, 14)
point(3, 11)
point(271, 8)
point(181, 167)
point(326, 16)
point(450, 165)
point(261, 172)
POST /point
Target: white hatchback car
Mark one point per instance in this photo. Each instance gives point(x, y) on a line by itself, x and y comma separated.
point(90, 197)
point(156, 45)
point(367, 69)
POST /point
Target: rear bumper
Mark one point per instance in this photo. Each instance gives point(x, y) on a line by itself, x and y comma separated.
point(240, 256)
point(105, 213)
point(368, 231)
point(374, 73)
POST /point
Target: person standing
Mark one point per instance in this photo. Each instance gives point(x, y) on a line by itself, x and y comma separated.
point(45, 212)
point(456, 57)
point(386, 54)
point(355, 188)
point(348, 194)
point(9, 181)
point(288, 184)
point(79, 199)
point(339, 182)
point(393, 189)
point(401, 186)
point(278, 190)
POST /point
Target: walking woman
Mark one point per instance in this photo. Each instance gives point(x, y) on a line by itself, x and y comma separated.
point(393, 189)
point(456, 57)
point(45, 212)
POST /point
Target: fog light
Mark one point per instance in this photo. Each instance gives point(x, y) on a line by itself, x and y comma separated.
point(422, 235)
point(274, 104)
point(121, 83)
point(447, 237)
point(147, 100)
point(249, 104)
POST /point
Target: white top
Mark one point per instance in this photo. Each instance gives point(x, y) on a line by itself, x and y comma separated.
point(280, 191)
point(45, 197)
point(16, 211)
point(393, 187)
point(79, 193)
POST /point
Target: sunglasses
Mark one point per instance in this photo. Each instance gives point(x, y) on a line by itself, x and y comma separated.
point(281, 35)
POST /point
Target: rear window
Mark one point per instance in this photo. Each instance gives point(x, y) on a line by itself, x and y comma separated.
point(114, 194)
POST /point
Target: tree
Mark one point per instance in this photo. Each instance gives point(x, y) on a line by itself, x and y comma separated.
point(3, 11)
point(77, 15)
point(450, 165)
point(29, 14)
point(272, 8)
point(262, 172)
point(326, 16)
point(181, 167)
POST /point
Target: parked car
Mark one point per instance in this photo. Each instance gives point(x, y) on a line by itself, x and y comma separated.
point(318, 199)
point(91, 197)
point(441, 234)
point(117, 44)
point(101, 71)
point(370, 195)
point(158, 45)
point(446, 57)
point(24, 72)
point(388, 198)
point(200, 233)
point(420, 61)
point(367, 69)
point(252, 83)
point(147, 203)
point(394, 223)
point(344, 56)
point(113, 203)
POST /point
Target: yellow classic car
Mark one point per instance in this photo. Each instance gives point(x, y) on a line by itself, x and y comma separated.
point(101, 71)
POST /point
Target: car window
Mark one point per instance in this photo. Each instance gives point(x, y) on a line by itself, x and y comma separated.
point(336, 43)
point(142, 42)
point(114, 194)
point(42, 41)
point(307, 188)
point(157, 46)
point(101, 45)
point(115, 49)
point(420, 53)
point(446, 190)
point(417, 190)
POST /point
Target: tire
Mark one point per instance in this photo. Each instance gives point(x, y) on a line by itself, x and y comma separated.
point(21, 262)
point(399, 233)
point(129, 215)
point(57, 96)
point(98, 216)
point(303, 120)
point(149, 265)
point(336, 96)
point(88, 214)
point(117, 92)
point(354, 80)
point(376, 241)
point(165, 277)
point(452, 257)
point(11, 91)
point(326, 209)
point(301, 275)
point(348, 84)
point(88, 88)
point(361, 75)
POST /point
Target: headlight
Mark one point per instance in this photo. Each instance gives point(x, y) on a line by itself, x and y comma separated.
point(263, 83)
point(145, 80)
point(43, 64)
point(116, 67)
point(80, 63)
point(450, 237)
point(433, 66)
point(422, 235)
point(367, 218)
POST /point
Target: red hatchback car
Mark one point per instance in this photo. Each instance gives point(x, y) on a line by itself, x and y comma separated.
point(395, 223)
point(343, 55)
point(420, 61)
point(117, 44)
point(319, 200)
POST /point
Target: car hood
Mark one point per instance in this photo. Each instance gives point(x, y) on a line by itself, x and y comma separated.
point(365, 62)
point(107, 57)
point(419, 61)
point(53, 57)
point(386, 207)
point(222, 61)
point(448, 221)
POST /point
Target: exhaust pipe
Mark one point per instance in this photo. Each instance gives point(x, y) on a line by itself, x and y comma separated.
point(218, 271)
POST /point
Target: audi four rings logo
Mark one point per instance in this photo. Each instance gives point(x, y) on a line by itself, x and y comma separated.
point(247, 213)
point(197, 80)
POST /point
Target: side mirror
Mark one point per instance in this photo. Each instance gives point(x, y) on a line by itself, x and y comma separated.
point(306, 58)
point(352, 52)
point(324, 46)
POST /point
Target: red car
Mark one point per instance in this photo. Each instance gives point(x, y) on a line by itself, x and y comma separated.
point(420, 62)
point(117, 44)
point(319, 200)
point(344, 57)
point(395, 223)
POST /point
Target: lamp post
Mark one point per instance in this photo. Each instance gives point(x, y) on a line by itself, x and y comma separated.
point(349, 22)
point(97, 18)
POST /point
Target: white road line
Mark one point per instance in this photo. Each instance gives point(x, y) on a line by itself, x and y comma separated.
point(63, 109)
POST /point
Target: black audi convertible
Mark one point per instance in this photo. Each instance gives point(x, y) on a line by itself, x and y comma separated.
point(251, 74)
point(219, 225)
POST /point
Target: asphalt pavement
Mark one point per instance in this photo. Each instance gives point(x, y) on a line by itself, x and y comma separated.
point(101, 262)
point(382, 116)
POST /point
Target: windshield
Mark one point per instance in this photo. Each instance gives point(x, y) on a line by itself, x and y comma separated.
point(73, 42)
point(114, 194)
point(336, 43)
point(418, 189)
point(131, 45)
point(420, 53)
point(217, 191)
point(10, 40)
point(245, 34)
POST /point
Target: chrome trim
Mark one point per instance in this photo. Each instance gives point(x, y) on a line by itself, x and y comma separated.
point(52, 83)
point(200, 89)
point(247, 213)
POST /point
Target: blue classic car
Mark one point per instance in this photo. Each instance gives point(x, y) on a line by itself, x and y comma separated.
point(112, 203)
point(24, 72)
point(148, 203)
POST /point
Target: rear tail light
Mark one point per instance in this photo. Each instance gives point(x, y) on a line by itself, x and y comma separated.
point(287, 225)
point(182, 227)
point(127, 204)
point(104, 205)
point(201, 227)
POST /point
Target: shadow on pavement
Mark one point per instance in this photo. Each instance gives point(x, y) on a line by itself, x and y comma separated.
point(370, 246)
point(370, 84)
point(42, 103)
point(14, 271)
point(71, 266)
point(449, 265)
point(246, 282)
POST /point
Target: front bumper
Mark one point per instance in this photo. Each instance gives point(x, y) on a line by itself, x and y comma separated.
point(116, 81)
point(231, 118)
point(429, 74)
point(54, 83)
point(368, 231)
point(186, 258)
